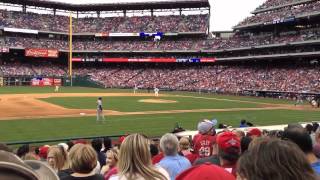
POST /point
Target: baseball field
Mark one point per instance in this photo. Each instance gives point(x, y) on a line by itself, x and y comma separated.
point(37, 113)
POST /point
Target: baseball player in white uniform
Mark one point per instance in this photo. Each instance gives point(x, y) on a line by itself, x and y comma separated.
point(56, 89)
point(100, 115)
point(135, 89)
point(156, 91)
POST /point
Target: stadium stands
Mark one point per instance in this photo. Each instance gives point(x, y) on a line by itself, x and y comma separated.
point(45, 22)
point(279, 15)
point(254, 155)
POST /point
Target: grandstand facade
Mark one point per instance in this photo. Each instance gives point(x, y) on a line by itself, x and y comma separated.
point(166, 44)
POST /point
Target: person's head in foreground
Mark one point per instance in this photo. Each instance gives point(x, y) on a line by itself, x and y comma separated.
point(228, 148)
point(58, 158)
point(205, 171)
point(135, 160)
point(83, 160)
point(169, 144)
point(13, 168)
point(274, 159)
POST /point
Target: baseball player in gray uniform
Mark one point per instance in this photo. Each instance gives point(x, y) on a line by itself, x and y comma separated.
point(100, 115)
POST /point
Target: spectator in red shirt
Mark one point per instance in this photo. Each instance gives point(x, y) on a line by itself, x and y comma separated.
point(228, 151)
point(204, 141)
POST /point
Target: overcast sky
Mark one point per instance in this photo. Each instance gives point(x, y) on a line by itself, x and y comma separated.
point(224, 14)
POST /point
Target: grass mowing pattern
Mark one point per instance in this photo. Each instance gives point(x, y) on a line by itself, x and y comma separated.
point(131, 104)
point(152, 125)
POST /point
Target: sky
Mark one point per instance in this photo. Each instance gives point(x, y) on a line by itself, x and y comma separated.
point(224, 13)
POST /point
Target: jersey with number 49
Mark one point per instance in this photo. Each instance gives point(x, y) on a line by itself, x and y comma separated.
point(203, 145)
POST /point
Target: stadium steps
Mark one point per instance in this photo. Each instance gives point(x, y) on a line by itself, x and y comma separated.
point(139, 72)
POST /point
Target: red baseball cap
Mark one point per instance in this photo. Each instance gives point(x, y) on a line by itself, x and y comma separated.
point(43, 151)
point(205, 171)
point(121, 139)
point(254, 132)
point(228, 139)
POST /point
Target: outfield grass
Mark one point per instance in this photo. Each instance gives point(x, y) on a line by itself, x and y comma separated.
point(152, 125)
point(132, 104)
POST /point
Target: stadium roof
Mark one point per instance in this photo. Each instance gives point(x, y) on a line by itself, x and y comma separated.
point(113, 6)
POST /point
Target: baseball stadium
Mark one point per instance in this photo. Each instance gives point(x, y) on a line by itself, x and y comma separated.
point(153, 68)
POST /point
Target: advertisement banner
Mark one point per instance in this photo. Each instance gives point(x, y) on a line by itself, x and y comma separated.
point(57, 82)
point(42, 82)
point(207, 59)
point(51, 53)
point(76, 59)
point(103, 34)
point(155, 60)
point(123, 34)
point(87, 59)
point(4, 49)
point(139, 60)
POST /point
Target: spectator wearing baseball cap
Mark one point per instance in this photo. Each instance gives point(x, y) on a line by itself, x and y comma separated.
point(254, 132)
point(172, 162)
point(203, 142)
point(205, 171)
point(43, 152)
point(272, 159)
point(228, 150)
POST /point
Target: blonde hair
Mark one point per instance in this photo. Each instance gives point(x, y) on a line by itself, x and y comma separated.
point(135, 159)
point(114, 152)
point(60, 156)
point(30, 156)
point(184, 143)
point(83, 158)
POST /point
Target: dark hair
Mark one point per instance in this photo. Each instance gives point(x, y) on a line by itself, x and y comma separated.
point(107, 143)
point(96, 144)
point(154, 150)
point(70, 145)
point(231, 155)
point(243, 121)
point(275, 159)
point(309, 128)
point(245, 141)
point(23, 150)
point(299, 136)
point(315, 126)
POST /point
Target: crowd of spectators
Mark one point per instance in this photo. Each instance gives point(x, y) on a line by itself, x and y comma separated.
point(224, 79)
point(237, 41)
point(36, 69)
point(218, 78)
point(57, 23)
point(211, 154)
point(275, 3)
point(280, 15)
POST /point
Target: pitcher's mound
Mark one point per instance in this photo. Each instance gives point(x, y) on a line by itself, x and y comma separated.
point(156, 101)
